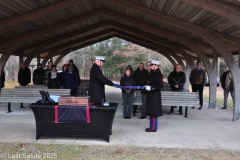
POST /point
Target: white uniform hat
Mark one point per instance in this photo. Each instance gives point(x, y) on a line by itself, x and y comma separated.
point(101, 58)
point(155, 62)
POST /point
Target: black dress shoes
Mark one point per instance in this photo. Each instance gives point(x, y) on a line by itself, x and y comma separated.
point(125, 117)
point(193, 108)
point(142, 117)
point(149, 130)
point(200, 108)
point(224, 108)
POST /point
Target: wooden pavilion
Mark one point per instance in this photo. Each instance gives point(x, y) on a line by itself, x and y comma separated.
point(182, 30)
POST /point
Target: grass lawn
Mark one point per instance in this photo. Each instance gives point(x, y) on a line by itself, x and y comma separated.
point(72, 152)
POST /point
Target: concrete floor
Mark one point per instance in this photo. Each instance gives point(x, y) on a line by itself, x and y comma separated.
point(205, 129)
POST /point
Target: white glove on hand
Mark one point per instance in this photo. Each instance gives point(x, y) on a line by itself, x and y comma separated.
point(148, 88)
point(113, 82)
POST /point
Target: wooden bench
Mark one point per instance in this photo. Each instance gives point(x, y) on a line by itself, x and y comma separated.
point(27, 95)
point(169, 98)
point(83, 88)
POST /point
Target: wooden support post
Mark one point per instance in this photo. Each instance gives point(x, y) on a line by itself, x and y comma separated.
point(20, 60)
point(239, 57)
point(38, 58)
point(186, 85)
point(213, 81)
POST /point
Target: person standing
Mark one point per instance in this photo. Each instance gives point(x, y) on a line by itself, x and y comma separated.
point(177, 79)
point(53, 78)
point(38, 75)
point(46, 71)
point(227, 85)
point(71, 80)
point(24, 75)
point(97, 81)
point(140, 76)
point(3, 79)
point(64, 69)
point(198, 80)
point(127, 94)
point(154, 101)
point(74, 66)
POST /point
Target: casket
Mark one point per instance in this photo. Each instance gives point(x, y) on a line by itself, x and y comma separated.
point(74, 101)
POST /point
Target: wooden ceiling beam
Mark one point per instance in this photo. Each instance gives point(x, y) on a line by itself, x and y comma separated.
point(158, 31)
point(66, 51)
point(37, 13)
point(198, 30)
point(80, 40)
point(220, 8)
point(52, 28)
point(150, 37)
point(65, 36)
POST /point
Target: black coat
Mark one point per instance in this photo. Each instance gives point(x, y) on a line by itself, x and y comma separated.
point(141, 78)
point(24, 76)
point(53, 83)
point(127, 81)
point(96, 86)
point(154, 101)
point(223, 81)
point(175, 78)
point(2, 79)
point(38, 76)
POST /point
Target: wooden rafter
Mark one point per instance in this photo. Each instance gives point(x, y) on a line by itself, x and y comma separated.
point(37, 13)
point(223, 9)
point(173, 20)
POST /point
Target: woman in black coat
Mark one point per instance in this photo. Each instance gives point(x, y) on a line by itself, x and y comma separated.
point(127, 94)
point(64, 68)
point(154, 101)
point(53, 78)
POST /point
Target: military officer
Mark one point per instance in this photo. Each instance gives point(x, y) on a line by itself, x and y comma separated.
point(97, 81)
point(154, 102)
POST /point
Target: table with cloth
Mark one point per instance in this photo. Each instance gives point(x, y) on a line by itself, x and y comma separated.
point(88, 121)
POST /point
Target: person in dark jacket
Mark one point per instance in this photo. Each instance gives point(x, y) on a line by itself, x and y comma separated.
point(154, 101)
point(24, 75)
point(71, 80)
point(53, 78)
point(177, 79)
point(197, 79)
point(97, 81)
point(127, 94)
point(74, 66)
point(46, 71)
point(140, 76)
point(38, 75)
point(64, 69)
point(227, 85)
point(3, 79)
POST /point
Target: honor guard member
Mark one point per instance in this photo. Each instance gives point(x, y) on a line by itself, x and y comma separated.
point(97, 81)
point(154, 101)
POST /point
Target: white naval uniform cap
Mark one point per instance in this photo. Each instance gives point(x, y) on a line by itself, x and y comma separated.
point(101, 58)
point(155, 62)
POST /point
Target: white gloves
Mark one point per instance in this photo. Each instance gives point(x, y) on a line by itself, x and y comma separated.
point(148, 88)
point(114, 82)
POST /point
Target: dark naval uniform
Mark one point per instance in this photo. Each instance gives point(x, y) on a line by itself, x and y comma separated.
point(154, 101)
point(96, 85)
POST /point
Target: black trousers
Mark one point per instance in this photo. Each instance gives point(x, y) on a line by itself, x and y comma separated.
point(73, 92)
point(199, 88)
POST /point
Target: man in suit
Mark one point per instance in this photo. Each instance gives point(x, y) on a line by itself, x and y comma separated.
point(97, 81)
